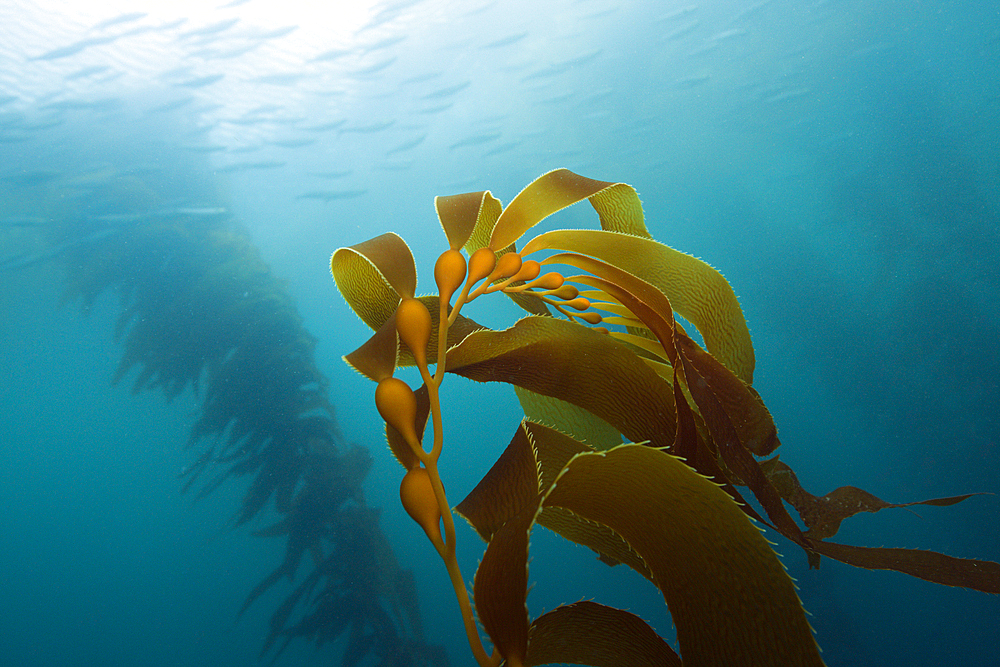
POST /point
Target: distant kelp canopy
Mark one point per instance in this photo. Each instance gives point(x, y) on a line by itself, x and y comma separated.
point(201, 311)
point(670, 506)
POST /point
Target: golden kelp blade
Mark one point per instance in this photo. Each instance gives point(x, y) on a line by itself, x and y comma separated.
point(372, 276)
point(503, 507)
point(468, 219)
point(730, 597)
point(527, 468)
point(563, 416)
point(617, 204)
point(695, 290)
point(571, 362)
point(649, 304)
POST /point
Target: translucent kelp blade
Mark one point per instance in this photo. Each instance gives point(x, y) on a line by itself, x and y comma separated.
point(651, 346)
point(553, 450)
point(980, 575)
point(730, 598)
point(610, 547)
point(468, 219)
point(374, 275)
point(563, 416)
point(823, 515)
point(695, 290)
point(377, 357)
point(500, 588)
point(588, 633)
point(574, 363)
point(554, 191)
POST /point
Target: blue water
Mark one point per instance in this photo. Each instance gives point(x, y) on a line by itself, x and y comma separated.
point(836, 161)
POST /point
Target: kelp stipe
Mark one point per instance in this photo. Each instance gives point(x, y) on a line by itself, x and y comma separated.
point(677, 515)
point(202, 310)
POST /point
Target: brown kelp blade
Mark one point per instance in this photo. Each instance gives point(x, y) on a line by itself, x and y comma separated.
point(695, 290)
point(509, 487)
point(530, 464)
point(574, 363)
point(373, 275)
point(617, 204)
point(588, 633)
point(378, 356)
point(823, 515)
point(500, 587)
point(649, 304)
point(503, 508)
point(980, 575)
point(730, 597)
point(468, 219)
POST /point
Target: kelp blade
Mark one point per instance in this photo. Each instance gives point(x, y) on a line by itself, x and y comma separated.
point(587, 633)
point(730, 597)
point(617, 204)
point(576, 364)
point(373, 275)
point(695, 290)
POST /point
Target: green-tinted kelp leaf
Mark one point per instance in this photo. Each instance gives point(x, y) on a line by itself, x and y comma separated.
point(374, 275)
point(587, 633)
point(568, 418)
point(576, 364)
point(695, 290)
point(730, 597)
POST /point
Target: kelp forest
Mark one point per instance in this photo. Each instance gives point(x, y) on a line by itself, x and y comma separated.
point(642, 438)
point(201, 312)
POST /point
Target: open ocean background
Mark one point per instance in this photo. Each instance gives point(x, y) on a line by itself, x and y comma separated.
point(837, 160)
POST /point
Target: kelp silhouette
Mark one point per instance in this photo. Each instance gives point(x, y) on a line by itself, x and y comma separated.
point(202, 310)
point(669, 507)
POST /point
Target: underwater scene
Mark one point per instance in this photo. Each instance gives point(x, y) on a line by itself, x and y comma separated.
point(479, 332)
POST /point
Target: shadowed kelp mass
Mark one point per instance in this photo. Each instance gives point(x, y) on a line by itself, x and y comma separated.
point(202, 311)
point(670, 506)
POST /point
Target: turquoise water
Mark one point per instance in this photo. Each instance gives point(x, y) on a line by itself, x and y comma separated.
point(836, 161)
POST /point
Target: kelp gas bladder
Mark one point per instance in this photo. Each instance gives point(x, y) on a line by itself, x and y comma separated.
point(676, 515)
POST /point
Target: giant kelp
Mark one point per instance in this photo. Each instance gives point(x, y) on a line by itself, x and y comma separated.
point(670, 506)
point(201, 311)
